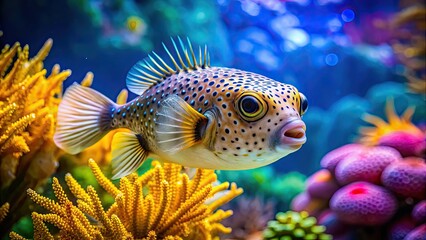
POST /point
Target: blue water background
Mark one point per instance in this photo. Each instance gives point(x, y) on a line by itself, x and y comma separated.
point(333, 51)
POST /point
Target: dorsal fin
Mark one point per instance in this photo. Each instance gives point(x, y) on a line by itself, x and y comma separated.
point(154, 69)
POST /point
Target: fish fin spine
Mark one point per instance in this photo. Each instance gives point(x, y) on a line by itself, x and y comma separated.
point(154, 69)
point(129, 150)
point(83, 118)
point(178, 125)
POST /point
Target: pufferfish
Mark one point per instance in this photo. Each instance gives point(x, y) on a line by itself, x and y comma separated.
point(193, 114)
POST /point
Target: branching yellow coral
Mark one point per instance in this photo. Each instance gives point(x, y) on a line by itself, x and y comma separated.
point(163, 203)
point(372, 135)
point(3, 211)
point(28, 105)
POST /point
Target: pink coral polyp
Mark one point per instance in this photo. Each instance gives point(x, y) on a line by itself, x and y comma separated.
point(331, 159)
point(366, 165)
point(363, 203)
point(406, 178)
point(408, 144)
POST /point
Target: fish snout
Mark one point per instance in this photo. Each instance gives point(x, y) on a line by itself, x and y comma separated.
point(293, 134)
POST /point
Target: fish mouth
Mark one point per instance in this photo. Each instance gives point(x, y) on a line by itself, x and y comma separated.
point(292, 135)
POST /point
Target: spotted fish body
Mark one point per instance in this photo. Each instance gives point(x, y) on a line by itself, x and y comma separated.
point(197, 116)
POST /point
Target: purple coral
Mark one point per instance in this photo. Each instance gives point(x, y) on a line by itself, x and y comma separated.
point(363, 203)
point(406, 178)
point(419, 233)
point(407, 143)
point(419, 212)
point(331, 159)
point(401, 228)
point(367, 165)
point(304, 202)
point(321, 185)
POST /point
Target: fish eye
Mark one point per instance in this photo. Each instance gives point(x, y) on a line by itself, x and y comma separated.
point(303, 104)
point(251, 107)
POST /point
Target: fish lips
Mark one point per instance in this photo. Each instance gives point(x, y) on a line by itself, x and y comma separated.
point(290, 137)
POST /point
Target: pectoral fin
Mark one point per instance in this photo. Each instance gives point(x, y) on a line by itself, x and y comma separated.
point(128, 153)
point(179, 126)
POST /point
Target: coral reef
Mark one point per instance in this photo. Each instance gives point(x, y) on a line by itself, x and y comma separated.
point(250, 218)
point(28, 104)
point(373, 190)
point(163, 203)
point(295, 225)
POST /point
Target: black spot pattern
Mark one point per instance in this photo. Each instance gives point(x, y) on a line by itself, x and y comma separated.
point(216, 88)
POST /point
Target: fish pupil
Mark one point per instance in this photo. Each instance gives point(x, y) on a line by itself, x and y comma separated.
point(250, 105)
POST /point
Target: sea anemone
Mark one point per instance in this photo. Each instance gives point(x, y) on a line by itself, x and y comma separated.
point(163, 203)
point(366, 165)
point(399, 133)
point(363, 203)
point(295, 225)
point(406, 178)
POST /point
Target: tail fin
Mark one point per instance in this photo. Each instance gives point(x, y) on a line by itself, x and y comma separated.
point(83, 118)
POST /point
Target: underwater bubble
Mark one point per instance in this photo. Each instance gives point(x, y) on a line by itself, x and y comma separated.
point(334, 25)
point(348, 15)
point(245, 46)
point(331, 59)
point(268, 59)
point(297, 36)
point(281, 24)
point(250, 8)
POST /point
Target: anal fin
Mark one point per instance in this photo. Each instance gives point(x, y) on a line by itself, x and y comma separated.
point(128, 153)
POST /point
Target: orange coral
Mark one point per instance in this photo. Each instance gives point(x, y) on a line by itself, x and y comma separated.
point(372, 135)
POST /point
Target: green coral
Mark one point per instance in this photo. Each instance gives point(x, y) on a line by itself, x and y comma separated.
point(294, 225)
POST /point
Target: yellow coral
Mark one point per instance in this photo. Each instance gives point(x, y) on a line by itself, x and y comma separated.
point(3, 211)
point(372, 135)
point(163, 203)
point(28, 105)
